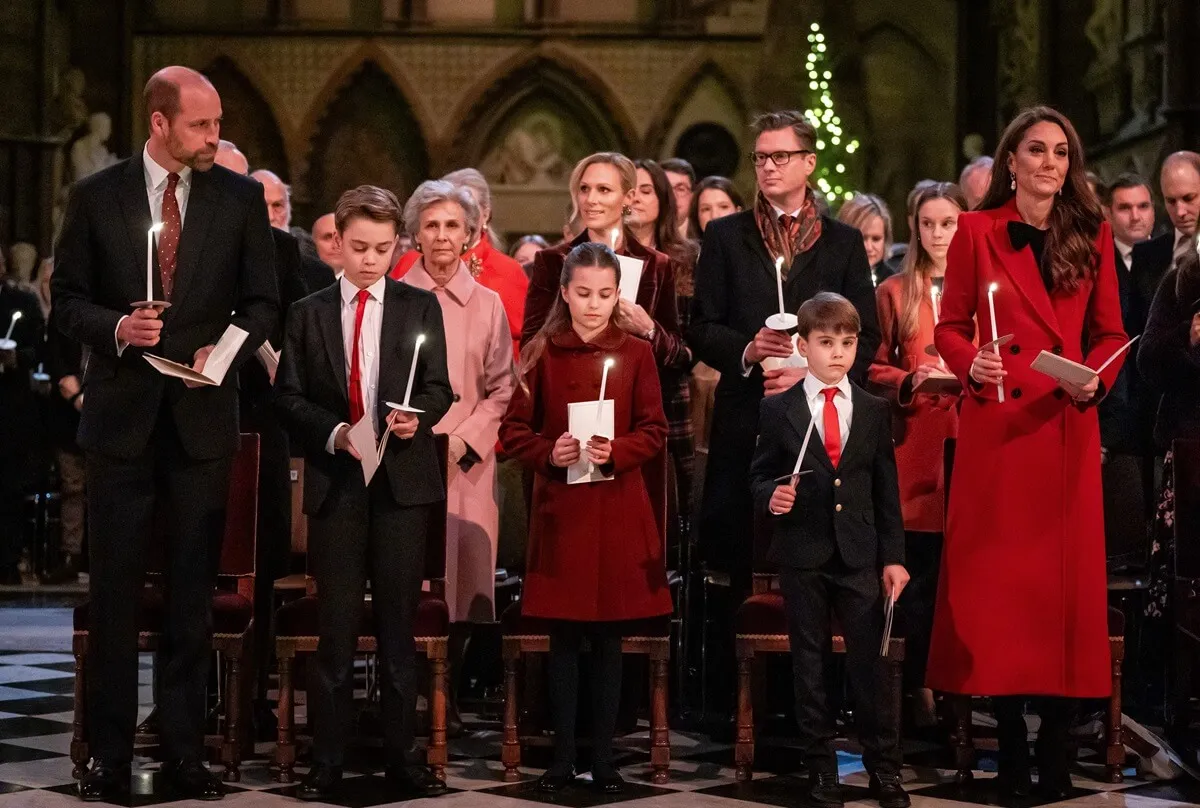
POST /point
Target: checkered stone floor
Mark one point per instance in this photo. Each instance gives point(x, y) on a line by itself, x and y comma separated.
point(35, 772)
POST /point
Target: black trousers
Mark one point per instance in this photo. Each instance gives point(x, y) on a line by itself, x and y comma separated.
point(1054, 746)
point(923, 560)
point(123, 496)
point(810, 597)
point(363, 534)
point(604, 673)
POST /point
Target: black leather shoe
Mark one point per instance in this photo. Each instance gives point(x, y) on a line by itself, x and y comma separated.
point(320, 783)
point(151, 725)
point(415, 781)
point(607, 779)
point(556, 780)
point(824, 790)
point(1014, 782)
point(104, 782)
point(191, 779)
point(886, 788)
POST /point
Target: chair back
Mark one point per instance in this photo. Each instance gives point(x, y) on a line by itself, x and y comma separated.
point(241, 518)
point(1186, 458)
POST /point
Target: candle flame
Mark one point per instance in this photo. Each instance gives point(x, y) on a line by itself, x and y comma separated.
point(608, 363)
point(779, 263)
point(420, 338)
point(17, 315)
point(156, 228)
point(993, 287)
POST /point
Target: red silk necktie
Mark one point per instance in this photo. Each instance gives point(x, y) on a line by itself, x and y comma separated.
point(833, 432)
point(356, 397)
point(168, 239)
point(790, 225)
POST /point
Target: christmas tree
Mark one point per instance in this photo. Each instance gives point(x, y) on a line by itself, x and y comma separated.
point(836, 150)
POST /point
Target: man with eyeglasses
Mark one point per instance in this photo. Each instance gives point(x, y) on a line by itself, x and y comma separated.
point(735, 293)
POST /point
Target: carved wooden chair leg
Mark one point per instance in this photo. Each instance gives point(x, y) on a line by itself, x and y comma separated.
point(1114, 748)
point(510, 751)
point(285, 748)
point(79, 744)
point(232, 753)
point(744, 746)
point(964, 744)
point(436, 756)
point(660, 734)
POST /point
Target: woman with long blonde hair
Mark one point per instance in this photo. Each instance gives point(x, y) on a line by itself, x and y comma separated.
point(907, 304)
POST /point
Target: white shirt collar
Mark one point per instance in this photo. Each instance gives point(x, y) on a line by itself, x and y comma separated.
point(780, 211)
point(350, 291)
point(156, 175)
point(1179, 234)
point(813, 387)
point(1125, 250)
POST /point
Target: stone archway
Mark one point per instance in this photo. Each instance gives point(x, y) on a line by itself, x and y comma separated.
point(247, 118)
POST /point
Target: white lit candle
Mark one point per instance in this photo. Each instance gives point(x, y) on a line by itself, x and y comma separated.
point(608, 363)
point(412, 371)
point(933, 300)
point(16, 315)
point(779, 283)
point(995, 334)
point(812, 422)
point(615, 235)
point(150, 260)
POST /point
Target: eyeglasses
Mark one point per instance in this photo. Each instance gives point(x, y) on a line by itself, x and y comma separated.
point(779, 158)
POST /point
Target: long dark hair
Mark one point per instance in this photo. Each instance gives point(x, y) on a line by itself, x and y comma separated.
point(915, 269)
point(1075, 219)
point(666, 232)
point(558, 319)
point(710, 184)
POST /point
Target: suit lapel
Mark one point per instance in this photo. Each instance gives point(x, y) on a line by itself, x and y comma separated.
point(135, 208)
point(754, 242)
point(860, 422)
point(201, 204)
point(800, 417)
point(329, 315)
point(1026, 278)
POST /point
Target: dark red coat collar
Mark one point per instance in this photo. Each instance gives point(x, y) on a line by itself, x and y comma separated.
point(610, 339)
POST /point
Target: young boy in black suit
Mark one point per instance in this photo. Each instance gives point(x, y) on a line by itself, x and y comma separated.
point(838, 542)
point(347, 351)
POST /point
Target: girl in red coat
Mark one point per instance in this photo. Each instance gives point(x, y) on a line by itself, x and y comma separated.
point(1021, 606)
point(595, 555)
point(907, 305)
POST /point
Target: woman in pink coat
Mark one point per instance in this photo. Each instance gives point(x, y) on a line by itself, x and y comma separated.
point(442, 220)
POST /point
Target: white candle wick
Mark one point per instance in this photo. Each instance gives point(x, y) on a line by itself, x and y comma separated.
point(779, 283)
point(412, 371)
point(16, 315)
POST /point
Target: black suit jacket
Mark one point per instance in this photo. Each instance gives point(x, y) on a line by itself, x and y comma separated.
point(253, 381)
point(225, 264)
point(869, 528)
point(312, 398)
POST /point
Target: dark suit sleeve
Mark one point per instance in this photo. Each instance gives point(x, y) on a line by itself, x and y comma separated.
point(288, 276)
point(1166, 357)
point(543, 286)
point(257, 309)
point(770, 462)
point(75, 313)
point(668, 345)
point(714, 342)
point(889, 520)
point(304, 419)
point(858, 289)
point(431, 390)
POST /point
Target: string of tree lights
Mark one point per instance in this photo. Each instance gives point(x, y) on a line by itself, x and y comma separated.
point(838, 151)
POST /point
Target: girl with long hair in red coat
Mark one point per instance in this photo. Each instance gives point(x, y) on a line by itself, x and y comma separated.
point(595, 559)
point(1022, 600)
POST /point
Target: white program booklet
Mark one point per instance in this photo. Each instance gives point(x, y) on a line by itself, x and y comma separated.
point(215, 367)
point(584, 419)
point(362, 438)
point(631, 277)
point(268, 356)
point(1064, 370)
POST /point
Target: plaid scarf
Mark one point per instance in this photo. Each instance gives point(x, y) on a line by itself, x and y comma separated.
point(784, 236)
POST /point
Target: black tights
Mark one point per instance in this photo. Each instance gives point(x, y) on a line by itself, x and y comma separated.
point(604, 674)
point(1054, 749)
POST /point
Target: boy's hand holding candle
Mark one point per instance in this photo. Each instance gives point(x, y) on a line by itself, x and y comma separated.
point(782, 500)
point(402, 424)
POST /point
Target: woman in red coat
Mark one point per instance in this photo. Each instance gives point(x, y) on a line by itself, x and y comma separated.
point(595, 554)
point(1021, 606)
point(907, 305)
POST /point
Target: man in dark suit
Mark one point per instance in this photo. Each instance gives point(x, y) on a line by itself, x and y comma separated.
point(154, 443)
point(736, 292)
point(837, 539)
point(347, 352)
point(1127, 412)
point(1179, 181)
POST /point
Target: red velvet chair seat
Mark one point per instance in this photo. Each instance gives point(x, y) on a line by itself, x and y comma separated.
point(231, 613)
point(299, 618)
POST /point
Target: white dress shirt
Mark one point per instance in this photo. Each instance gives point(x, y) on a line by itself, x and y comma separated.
point(1125, 251)
point(1179, 248)
point(368, 357)
point(156, 188)
point(842, 402)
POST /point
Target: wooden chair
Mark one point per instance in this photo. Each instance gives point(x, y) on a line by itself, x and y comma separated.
point(297, 633)
point(232, 610)
point(650, 638)
point(1185, 592)
point(762, 629)
point(962, 734)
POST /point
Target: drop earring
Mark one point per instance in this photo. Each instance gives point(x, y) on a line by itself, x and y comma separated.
point(1013, 185)
point(626, 210)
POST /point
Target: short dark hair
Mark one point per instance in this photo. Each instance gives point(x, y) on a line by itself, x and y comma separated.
point(368, 202)
point(677, 165)
point(830, 312)
point(161, 95)
point(1128, 179)
point(786, 119)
